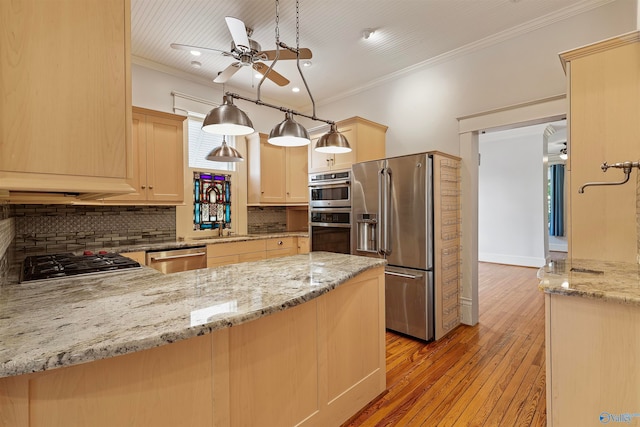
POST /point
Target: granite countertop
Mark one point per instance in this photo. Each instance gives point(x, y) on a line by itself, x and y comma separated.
point(608, 281)
point(62, 322)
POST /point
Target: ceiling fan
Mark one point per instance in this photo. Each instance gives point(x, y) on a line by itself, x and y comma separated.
point(248, 52)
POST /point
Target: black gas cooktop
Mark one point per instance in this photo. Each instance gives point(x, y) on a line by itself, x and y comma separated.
point(42, 267)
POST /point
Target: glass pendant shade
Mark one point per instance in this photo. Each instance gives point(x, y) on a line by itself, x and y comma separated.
point(227, 119)
point(225, 153)
point(333, 142)
point(289, 133)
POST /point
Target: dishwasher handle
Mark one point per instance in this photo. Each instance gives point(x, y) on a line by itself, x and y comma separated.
point(168, 258)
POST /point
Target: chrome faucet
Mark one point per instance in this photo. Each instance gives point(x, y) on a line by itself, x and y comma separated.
point(626, 168)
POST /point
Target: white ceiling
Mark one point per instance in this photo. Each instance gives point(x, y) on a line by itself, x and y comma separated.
point(407, 32)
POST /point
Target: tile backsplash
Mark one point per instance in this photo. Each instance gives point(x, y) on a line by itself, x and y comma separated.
point(266, 219)
point(7, 232)
point(43, 229)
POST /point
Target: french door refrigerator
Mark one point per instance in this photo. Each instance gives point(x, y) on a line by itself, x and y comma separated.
point(392, 218)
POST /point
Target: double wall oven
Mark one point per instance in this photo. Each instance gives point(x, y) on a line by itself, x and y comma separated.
point(330, 212)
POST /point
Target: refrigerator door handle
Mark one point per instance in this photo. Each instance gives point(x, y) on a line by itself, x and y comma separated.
point(381, 222)
point(387, 210)
point(406, 276)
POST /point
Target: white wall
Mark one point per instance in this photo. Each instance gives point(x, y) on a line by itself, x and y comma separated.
point(421, 107)
point(511, 189)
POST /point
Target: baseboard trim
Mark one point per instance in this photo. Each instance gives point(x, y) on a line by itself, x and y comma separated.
point(511, 260)
point(466, 311)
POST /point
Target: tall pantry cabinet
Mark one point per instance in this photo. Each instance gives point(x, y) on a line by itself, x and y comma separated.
point(65, 96)
point(604, 106)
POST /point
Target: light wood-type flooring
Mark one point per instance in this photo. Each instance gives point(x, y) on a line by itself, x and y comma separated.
point(491, 374)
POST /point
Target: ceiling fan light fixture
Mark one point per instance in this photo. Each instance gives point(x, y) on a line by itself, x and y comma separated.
point(333, 142)
point(227, 119)
point(224, 153)
point(289, 133)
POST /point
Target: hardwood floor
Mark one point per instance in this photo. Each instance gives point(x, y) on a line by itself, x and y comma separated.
point(491, 374)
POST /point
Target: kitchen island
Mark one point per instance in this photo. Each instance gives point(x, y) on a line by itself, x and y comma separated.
point(592, 330)
point(291, 340)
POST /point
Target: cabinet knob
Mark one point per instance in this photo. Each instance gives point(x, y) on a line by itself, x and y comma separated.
point(151, 187)
point(279, 242)
point(143, 186)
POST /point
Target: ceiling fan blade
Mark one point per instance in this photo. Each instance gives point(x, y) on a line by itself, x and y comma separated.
point(227, 73)
point(275, 77)
point(198, 48)
point(238, 32)
point(287, 54)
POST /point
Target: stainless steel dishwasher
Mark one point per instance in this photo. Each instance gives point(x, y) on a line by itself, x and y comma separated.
point(178, 260)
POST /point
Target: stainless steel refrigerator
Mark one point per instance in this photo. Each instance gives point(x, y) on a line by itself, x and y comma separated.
point(392, 218)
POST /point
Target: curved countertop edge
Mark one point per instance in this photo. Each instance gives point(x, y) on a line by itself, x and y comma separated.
point(610, 281)
point(57, 359)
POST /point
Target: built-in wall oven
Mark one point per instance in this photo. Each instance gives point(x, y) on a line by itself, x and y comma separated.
point(330, 190)
point(330, 212)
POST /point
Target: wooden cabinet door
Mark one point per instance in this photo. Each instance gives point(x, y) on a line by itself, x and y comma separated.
point(297, 177)
point(67, 113)
point(318, 162)
point(165, 166)
point(139, 139)
point(345, 160)
point(272, 173)
point(603, 121)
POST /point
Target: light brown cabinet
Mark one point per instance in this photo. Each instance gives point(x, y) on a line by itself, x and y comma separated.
point(447, 222)
point(252, 250)
point(604, 106)
point(140, 256)
point(315, 364)
point(158, 158)
point(366, 138)
point(66, 120)
point(277, 175)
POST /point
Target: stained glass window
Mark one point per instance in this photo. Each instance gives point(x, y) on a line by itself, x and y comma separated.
point(211, 201)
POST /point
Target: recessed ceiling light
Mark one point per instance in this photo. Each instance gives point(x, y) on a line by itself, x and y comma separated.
point(196, 64)
point(367, 33)
point(307, 64)
point(295, 89)
point(195, 53)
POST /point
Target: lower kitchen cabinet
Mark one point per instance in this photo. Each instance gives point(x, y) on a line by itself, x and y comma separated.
point(315, 364)
point(282, 247)
point(252, 250)
point(158, 145)
point(592, 348)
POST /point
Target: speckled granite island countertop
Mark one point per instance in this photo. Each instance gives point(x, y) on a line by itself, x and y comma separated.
point(62, 322)
point(608, 281)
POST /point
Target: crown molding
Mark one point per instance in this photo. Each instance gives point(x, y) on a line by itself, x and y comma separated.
point(484, 43)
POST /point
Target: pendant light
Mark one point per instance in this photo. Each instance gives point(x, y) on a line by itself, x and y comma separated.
point(289, 133)
point(227, 119)
point(333, 142)
point(224, 153)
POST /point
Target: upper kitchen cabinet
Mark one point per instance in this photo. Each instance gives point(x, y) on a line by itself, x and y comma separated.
point(366, 138)
point(604, 106)
point(158, 146)
point(65, 97)
point(276, 175)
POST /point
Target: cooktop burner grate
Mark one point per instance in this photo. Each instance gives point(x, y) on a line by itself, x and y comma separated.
point(40, 267)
